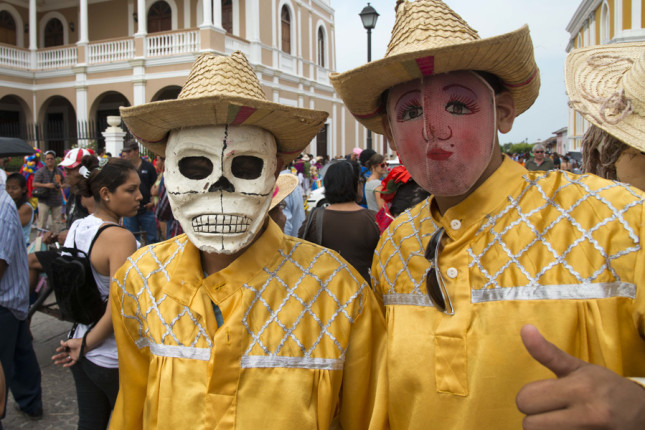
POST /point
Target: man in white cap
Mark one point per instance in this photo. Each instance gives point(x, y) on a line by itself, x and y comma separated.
point(234, 324)
point(469, 276)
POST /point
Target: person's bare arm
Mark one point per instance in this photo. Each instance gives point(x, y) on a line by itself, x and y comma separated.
point(24, 212)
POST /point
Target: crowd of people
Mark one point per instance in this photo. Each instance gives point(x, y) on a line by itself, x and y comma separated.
point(464, 289)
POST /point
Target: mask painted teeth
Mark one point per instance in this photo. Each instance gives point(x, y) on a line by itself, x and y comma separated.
point(221, 224)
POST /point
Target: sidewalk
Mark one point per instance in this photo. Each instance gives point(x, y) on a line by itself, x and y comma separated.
point(59, 393)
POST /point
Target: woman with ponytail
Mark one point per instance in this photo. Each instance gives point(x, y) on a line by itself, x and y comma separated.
point(90, 352)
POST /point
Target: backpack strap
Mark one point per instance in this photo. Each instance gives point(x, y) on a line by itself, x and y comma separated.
point(319, 225)
point(99, 231)
point(310, 218)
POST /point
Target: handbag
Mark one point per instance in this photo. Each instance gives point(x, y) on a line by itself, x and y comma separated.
point(40, 193)
point(78, 297)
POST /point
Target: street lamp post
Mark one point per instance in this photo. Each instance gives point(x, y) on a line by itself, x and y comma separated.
point(369, 16)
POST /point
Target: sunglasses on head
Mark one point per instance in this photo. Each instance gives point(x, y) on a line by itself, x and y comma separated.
point(538, 152)
point(434, 281)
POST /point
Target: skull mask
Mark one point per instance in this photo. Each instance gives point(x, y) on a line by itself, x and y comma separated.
point(220, 181)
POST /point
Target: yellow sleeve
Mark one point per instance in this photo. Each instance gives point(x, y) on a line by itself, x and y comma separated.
point(364, 390)
point(133, 368)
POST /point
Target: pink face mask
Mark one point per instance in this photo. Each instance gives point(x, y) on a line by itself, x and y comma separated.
point(444, 129)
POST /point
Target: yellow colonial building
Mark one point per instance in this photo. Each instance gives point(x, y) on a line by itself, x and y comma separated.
point(66, 65)
point(598, 22)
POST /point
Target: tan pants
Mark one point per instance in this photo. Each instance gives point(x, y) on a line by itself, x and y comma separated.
point(43, 216)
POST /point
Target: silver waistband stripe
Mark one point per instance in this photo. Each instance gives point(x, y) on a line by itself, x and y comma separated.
point(175, 351)
point(411, 299)
point(556, 292)
point(250, 361)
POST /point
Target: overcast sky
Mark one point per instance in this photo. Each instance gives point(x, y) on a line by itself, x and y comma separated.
point(547, 20)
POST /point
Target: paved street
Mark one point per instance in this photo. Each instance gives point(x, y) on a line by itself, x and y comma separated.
point(59, 395)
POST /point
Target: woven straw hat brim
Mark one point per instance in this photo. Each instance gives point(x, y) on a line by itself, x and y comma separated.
point(595, 76)
point(508, 56)
point(285, 184)
point(293, 128)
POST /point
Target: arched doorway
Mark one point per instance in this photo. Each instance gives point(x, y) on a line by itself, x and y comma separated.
point(54, 33)
point(285, 22)
point(159, 17)
point(167, 93)
point(7, 28)
point(57, 125)
point(13, 118)
point(107, 104)
point(227, 15)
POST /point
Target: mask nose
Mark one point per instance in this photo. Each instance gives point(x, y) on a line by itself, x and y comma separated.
point(222, 184)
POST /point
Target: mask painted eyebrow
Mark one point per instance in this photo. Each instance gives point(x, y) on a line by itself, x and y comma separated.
point(406, 94)
point(448, 87)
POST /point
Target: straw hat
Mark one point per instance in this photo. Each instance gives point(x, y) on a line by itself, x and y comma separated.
point(284, 185)
point(606, 84)
point(430, 38)
point(223, 90)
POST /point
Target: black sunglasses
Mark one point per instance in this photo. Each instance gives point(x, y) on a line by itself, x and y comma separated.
point(434, 281)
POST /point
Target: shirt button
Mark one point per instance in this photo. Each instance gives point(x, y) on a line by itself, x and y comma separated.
point(452, 272)
point(455, 224)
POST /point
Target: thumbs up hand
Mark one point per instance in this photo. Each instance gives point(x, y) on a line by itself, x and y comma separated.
point(584, 396)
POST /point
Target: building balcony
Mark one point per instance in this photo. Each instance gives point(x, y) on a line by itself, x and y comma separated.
point(107, 51)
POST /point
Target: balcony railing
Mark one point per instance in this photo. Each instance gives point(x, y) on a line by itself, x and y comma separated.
point(56, 58)
point(110, 51)
point(172, 44)
point(14, 57)
point(233, 44)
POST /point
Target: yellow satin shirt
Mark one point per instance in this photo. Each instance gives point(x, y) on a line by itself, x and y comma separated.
point(554, 249)
point(302, 344)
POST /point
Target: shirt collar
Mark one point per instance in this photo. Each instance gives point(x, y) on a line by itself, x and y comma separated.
point(486, 198)
point(188, 274)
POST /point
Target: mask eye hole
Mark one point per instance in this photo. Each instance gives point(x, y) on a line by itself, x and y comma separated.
point(195, 167)
point(247, 167)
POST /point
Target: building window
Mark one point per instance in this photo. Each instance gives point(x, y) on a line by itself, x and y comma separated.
point(227, 15)
point(159, 17)
point(7, 28)
point(285, 19)
point(54, 34)
point(604, 23)
point(321, 47)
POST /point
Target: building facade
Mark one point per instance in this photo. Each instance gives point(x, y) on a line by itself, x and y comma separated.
point(66, 65)
point(597, 22)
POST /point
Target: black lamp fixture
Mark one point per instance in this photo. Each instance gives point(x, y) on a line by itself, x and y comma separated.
point(135, 17)
point(369, 16)
point(71, 27)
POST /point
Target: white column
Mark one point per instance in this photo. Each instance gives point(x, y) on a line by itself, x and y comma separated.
point(186, 14)
point(217, 14)
point(207, 14)
point(253, 30)
point(83, 31)
point(142, 19)
point(343, 123)
point(275, 43)
point(333, 126)
point(32, 25)
point(33, 44)
point(298, 39)
point(618, 19)
point(637, 10)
